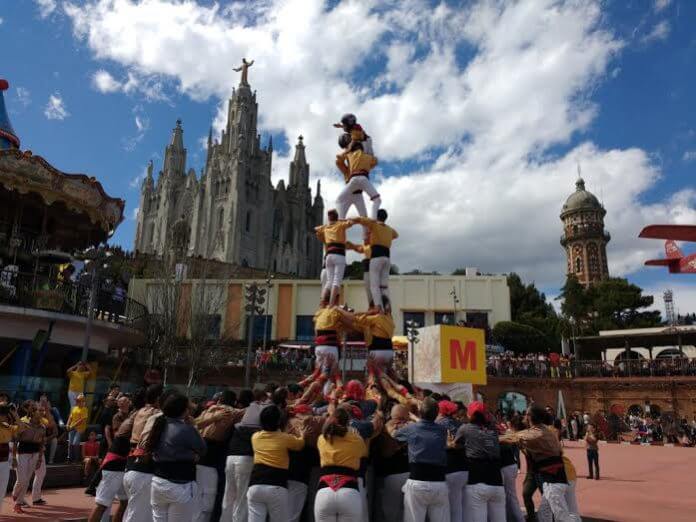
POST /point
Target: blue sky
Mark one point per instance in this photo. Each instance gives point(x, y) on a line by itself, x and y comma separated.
point(479, 113)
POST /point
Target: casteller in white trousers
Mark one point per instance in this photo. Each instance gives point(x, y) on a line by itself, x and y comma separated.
point(426, 498)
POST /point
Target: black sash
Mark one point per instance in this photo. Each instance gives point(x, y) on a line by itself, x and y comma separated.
point(379, 251)
point(381, 343)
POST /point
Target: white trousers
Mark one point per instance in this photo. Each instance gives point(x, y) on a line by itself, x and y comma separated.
point(335, 268)
point(344, 505)
point(267, 501)
point(297, 494)
point(137, 486)
point(4, 479)
point(234, 503)
point(173, 502)
point(110, 487)
point(368, 290)
point(456, 483)
point(572, 501)
point(206, 478)
point(512, 504)
point(26, 465)
point(485, 503)
point(345, 198)
point(379, 280)
point(422, 498)
point(554, 505)
point(37, 483)
point(362, 488)
point(392, 497)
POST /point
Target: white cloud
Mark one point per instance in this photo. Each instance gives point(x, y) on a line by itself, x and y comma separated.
point(55, 108)
point(659, 32)
point(23, 96)
point(142, 125)
point(661, 4)
point(46, 7)
point(478, 136)
point(134, 213)
point(138, 180)
point(689, 155)
point(1, 21)
point(104, 82)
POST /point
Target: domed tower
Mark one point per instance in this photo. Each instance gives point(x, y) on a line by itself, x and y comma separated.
point(584, 238)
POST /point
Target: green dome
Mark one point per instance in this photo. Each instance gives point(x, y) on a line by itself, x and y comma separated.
point(581, 199)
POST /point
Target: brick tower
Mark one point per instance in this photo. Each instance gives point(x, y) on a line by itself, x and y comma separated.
point(584, 238)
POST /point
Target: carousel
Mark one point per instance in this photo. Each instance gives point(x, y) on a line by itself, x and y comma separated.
point(48, 218)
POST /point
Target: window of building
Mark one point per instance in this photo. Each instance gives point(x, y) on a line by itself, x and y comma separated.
point(211, 325)
point(477, 319)
point(304, 328)
point(221, 217)
point(262, 328)
point(444, 318)
point(248, 221)
point(578, 264)
point(416, 317)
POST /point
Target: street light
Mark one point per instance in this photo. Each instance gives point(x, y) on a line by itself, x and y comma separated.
point(254, 299)
point(412, 336)
point(455, 302)
point(269, 285)
point(94, 257)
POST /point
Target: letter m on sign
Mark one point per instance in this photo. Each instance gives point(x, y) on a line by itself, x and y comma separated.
point(462, 358)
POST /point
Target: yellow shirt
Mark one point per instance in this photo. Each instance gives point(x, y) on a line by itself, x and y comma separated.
point(271, 448)
point(6, 432)
point(380, 325)
point(77, 380)
point(78, 418)
point(570, 472)
point(327, 319)
point(334, 232)
point(380, 233)
point(343, 451)
point(358, 161)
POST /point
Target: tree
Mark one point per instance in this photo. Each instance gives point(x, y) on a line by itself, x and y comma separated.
point(528, 306)
point(355, 270)
point(520, 338)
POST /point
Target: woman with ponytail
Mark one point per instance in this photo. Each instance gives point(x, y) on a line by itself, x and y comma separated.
point(176, 446)
point(340, 449)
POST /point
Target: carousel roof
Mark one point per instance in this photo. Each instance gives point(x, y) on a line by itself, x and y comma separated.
point(23, 172)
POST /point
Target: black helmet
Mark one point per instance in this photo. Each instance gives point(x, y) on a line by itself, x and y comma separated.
point(348, 120)
point(344, 140)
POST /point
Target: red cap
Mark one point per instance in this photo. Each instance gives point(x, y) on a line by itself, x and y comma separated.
point(355, 390)
point(4, 85)
point(475, 407)
point(447, 408)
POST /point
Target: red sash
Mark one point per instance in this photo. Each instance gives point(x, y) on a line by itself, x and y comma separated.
point(335, 481)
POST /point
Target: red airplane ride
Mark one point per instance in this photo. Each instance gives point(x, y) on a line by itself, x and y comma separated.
point(675, 260)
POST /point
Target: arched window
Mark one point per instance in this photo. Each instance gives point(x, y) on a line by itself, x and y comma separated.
point(578, 264)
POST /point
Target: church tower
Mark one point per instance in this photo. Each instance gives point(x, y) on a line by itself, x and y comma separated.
point(584, 238)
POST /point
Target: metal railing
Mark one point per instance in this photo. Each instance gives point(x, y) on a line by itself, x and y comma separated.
point(68, 297)
point(529, 368)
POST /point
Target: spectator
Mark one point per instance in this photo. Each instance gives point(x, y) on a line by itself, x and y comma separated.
point(90, 454)
point(592, 452)
point(77, 375)
point(77, 424)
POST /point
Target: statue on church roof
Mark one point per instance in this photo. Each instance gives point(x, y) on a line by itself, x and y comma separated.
point(245, 71)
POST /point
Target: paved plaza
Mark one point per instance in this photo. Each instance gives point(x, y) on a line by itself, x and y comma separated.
point(638, 484)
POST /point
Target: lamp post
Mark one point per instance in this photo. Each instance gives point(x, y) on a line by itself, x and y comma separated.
point(254, 298)
point(412, 336)
point(95, 257)
point(455, 302)
point(269, 285)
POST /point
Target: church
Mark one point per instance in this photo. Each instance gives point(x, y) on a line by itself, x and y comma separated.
point(232, 213)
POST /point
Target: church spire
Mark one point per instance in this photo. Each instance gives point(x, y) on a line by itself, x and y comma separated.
point(300, 151)
point(299, 169)
point(175, 153)
point(178, 136)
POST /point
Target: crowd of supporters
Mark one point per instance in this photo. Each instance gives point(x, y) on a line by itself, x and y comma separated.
point(559, 366)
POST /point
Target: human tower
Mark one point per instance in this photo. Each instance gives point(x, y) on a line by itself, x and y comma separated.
point(332, 321)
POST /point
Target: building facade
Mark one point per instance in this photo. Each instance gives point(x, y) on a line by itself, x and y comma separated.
point(232, 213)
point(290, 304)
point(584, 238)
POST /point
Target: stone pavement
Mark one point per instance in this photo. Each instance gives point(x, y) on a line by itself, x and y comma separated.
point(638, 484)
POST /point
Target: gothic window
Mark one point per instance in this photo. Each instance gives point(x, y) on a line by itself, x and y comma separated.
point(593, 258)
point(578, 264)
point(248, 221)
point(221, 218)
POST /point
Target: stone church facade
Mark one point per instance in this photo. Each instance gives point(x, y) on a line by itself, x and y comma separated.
point(232, 213)
point(584, 238)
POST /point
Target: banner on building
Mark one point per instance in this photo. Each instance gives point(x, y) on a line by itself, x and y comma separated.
point(448, 354)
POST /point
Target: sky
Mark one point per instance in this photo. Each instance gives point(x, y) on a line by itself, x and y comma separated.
point(480, 112)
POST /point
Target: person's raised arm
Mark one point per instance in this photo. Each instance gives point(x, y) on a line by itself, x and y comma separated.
point(395, 234)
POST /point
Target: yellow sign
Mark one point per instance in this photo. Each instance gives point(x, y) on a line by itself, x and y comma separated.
point(462, 355)
point(448, 355)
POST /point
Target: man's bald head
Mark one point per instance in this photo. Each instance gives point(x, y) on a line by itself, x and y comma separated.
point(399, 412)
